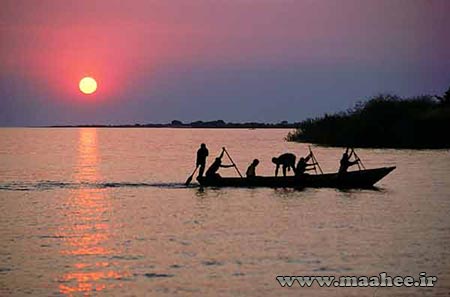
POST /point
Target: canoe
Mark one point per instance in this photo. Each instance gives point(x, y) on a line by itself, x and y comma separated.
point(352, 179)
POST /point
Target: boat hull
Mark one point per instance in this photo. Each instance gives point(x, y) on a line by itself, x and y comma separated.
point(353, 179)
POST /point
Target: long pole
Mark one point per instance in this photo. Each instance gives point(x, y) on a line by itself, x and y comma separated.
point(359, 160)
point(315, 161)
point(318, 165)
point(312, 157)
point(229, 157)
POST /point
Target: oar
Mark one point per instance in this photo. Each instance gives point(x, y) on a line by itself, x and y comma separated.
point(189, 179)
point(228, 155)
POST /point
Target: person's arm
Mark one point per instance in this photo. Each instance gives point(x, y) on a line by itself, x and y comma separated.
point(351, 154)
point(226, 166)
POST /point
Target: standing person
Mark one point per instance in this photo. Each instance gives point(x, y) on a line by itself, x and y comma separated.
point(215, 166)
point(202, 153)
point(287, 161)
point(251, 170)
point(345, 162)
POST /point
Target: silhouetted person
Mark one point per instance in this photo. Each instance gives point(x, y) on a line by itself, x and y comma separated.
point(251, 170)
point(202, 153)
point(215, 166)
point(345, 161)
point(303, 165)
point(287, 161)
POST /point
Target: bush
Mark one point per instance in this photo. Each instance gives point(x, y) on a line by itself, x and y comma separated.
point(383, 121)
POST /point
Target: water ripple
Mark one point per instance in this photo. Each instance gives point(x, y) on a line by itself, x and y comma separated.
point(55, 185)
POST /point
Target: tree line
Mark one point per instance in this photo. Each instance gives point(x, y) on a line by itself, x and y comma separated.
point(384, 121)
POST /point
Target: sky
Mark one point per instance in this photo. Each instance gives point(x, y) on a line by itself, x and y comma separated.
point(235, 60)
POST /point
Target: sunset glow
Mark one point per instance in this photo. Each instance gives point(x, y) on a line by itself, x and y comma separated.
point(156, 61)
point(88, 85)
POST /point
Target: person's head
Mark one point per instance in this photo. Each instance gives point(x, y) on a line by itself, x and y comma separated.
point(218, 160)
point(256, 161)
point(302, 159)
point(275, 160)
point(203, 145)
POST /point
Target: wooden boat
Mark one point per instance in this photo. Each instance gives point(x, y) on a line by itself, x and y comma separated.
point(354, 179)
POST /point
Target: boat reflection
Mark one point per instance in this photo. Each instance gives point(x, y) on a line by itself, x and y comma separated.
point(87, 231)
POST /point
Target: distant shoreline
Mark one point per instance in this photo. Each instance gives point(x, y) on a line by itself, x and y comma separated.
point(196, 125)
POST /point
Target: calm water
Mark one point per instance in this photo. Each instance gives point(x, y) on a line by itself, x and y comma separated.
point(105, 212)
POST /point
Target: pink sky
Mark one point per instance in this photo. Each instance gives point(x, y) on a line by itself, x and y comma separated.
point(160, 60)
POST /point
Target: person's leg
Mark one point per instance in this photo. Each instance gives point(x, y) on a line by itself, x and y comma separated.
point(201, 170)
point(284, 170)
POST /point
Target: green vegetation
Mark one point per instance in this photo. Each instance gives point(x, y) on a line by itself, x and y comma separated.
point(386, 121)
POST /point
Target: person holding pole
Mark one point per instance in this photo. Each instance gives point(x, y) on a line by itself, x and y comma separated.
point(345, 162)
point(303, 165)
point(216, 165)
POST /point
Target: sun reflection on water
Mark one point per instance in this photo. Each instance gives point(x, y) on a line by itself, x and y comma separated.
point(87, 231)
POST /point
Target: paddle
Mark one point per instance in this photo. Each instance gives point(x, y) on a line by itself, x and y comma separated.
point(189, 179)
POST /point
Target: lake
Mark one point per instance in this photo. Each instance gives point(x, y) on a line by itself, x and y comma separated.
point(105, 211)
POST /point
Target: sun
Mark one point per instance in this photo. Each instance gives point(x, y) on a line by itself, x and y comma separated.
point(88, 85)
